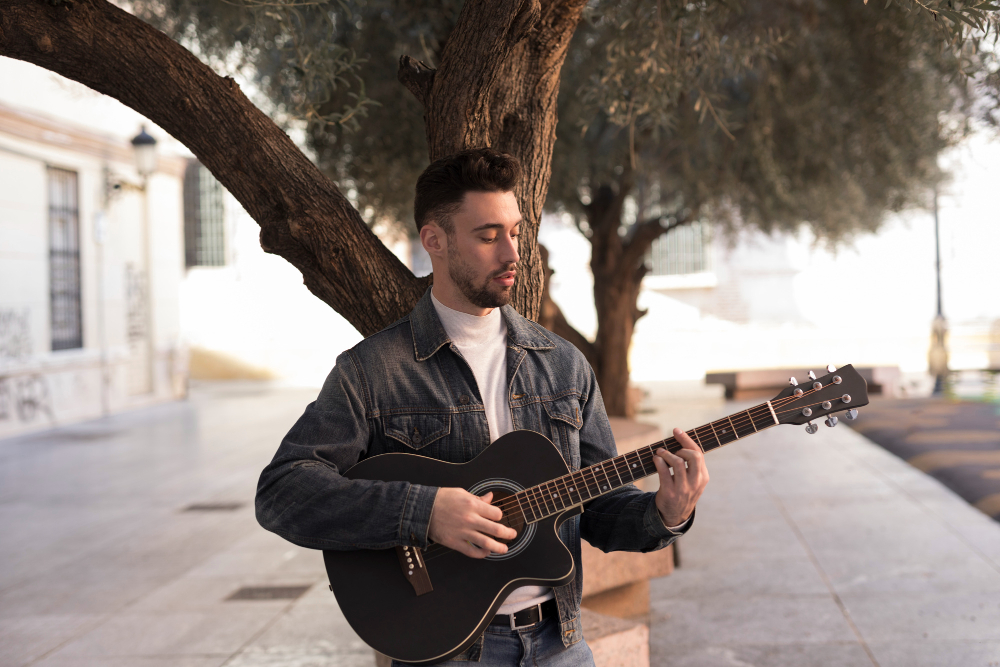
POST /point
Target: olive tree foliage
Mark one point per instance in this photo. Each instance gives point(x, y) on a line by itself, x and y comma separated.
point(757, 114)
point(328, 70)
point(744, 113)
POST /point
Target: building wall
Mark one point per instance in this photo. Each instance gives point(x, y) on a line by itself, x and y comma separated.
point(39, 387)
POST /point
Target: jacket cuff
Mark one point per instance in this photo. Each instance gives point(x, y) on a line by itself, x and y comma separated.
point(416, 518)
point(655, 526)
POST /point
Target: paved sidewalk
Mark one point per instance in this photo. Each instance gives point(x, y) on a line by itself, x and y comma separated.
point(825, 550)
point(808, 550)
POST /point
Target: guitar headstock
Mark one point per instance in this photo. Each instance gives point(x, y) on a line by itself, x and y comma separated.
point(839, 390)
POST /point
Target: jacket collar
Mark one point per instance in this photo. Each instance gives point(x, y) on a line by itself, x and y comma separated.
point(429, 334)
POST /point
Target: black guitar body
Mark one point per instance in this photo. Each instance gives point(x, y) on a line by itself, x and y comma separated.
point(381, 604)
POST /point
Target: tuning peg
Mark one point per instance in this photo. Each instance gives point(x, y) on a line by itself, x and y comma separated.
point(812, 376)
point(831, 421)
point(811, 428)
point(851, 414)
point(792, 381)
point(831, 368)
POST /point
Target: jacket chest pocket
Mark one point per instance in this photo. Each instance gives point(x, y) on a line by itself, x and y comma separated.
point(565, 422)
point(417, 430)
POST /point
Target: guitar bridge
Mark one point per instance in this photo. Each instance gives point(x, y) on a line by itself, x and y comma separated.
point(411, 560)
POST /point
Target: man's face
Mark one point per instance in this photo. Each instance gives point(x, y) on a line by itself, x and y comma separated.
point(482, 248)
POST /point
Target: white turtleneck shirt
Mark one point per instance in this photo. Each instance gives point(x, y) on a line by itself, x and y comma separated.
point(482, 342)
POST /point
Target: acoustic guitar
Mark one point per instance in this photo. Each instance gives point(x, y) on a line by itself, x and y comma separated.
point(423, 606)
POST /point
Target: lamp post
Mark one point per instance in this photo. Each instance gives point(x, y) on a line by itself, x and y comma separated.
point(937, 357)
point(144, 147)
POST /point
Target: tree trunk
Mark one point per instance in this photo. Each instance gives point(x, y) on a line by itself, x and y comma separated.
point(497, 86)
point(497, 83)
point(618, 265)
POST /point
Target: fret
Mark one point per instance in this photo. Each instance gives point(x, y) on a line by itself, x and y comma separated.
point(635, 468)
point(771, 408)
point(718, 442)
point(593, 485)
point(599, 468)
point(706, 445)
point(556, 495)
point(527, 519)
point(614, 464)
point(536, 512)
point(733, 426)
point(693, 434)
point(750, 417)
point(721, 428)
point(645, 471)
point(550, 507)
point(539, 502)
point(574, 486)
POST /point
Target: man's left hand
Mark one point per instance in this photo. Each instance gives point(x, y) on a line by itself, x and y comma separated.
point(679, 492)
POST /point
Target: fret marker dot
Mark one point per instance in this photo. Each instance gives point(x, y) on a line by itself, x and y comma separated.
point(633, 465)
point(605, 488)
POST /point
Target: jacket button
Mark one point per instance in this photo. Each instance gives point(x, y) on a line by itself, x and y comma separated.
point(463, 399)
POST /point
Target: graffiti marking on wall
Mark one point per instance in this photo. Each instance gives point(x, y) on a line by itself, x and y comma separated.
point(15, 334)
point(135, 302)
point(25, 397)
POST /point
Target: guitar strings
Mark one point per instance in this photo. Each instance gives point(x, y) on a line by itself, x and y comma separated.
point(742, 420)
point(562, 483)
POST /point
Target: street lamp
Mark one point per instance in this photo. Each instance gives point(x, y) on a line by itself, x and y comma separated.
point(145, 163)
point(145, 152)
point(937, 357)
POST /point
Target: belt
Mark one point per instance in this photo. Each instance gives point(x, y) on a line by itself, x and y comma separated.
point(526, 617)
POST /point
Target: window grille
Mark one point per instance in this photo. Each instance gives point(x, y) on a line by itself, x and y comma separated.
point(64, 260)
point(204, 221)
point(682, 250)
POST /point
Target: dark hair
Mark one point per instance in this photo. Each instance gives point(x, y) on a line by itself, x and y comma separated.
point(442, 186)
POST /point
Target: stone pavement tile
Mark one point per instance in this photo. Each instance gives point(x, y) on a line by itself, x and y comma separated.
point(135, 661)
point(27, 638)
point(928, 653)
point(60, 592)
point(210, 594)
point(172, 633)
point(916, 618)
point(758, 655)
point(740, 574)
point(313, 633)
point(739, 619)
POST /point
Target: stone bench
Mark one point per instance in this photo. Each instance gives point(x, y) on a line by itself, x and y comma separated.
point(764, 383)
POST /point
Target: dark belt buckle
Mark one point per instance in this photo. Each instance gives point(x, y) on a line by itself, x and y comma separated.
point(537, 608)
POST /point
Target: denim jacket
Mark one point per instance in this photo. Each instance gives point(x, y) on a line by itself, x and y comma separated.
point(408, 389)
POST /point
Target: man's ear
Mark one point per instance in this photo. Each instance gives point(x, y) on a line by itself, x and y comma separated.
point(434, 240)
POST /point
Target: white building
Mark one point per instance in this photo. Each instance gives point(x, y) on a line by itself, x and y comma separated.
point(91, 259)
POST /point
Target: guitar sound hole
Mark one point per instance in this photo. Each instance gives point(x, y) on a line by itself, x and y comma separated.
point(512, 516)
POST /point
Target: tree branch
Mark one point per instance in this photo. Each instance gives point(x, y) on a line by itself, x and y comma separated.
point(303, 217)
point(644, 233)
point(417, 77)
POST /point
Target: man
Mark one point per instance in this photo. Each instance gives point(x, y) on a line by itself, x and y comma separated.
point(462, 369)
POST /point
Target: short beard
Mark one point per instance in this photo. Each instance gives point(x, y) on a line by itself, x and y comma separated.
point(482, 296)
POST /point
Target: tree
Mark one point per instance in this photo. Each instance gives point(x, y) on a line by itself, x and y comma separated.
point(496, 82)
point(764, 116)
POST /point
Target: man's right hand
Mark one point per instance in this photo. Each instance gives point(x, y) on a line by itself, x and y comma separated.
point(468, 523)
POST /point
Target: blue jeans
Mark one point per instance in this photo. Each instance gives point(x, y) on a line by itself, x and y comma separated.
point(538, 644)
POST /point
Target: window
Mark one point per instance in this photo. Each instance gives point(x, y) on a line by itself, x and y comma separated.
point(64, 260)
point(682, 251)
point(204, 222)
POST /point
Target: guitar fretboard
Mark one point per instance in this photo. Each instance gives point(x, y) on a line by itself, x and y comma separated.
point(557, 495)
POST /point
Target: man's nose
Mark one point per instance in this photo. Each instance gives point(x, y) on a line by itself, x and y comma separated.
point(508, 251)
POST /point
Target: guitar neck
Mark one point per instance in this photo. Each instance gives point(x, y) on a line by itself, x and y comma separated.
point(577, 488)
